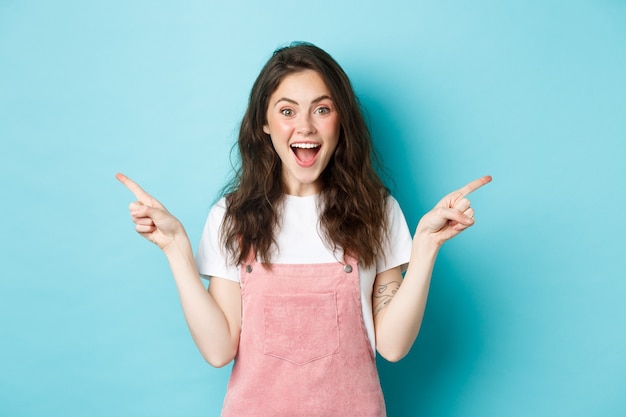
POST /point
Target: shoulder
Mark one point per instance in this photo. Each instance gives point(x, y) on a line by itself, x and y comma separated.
point(395, 216)
point(391, 201)
point(211, 257)
point(392, 207)
point(217, 212)
point(396, 248)
point(219, 208)
point(214, 220)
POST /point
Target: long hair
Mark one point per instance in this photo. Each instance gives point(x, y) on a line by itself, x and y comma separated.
point(353, 198)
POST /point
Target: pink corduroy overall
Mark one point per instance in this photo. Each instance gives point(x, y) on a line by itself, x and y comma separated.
point(303, 349)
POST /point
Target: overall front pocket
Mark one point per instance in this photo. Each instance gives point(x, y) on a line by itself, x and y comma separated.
point(301, 328)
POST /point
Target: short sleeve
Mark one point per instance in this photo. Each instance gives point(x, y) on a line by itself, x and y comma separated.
point(211, 257)
point(397, 248)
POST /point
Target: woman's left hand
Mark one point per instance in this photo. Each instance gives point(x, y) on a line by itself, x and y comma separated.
point(451, 215)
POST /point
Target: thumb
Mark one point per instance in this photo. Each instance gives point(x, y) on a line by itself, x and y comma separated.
point(445, 215)
point(155, 213)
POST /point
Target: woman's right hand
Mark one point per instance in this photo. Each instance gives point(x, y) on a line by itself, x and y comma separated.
point(151, 218)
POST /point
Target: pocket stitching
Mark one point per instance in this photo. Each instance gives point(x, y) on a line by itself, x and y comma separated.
point(291, 305)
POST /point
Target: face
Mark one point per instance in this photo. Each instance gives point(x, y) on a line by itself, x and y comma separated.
point(303, 124)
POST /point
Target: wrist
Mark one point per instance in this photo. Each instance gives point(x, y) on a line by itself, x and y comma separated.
point(425, 245)
point(178, 246)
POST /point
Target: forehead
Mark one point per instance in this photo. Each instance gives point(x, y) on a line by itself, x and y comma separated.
point(304, 83)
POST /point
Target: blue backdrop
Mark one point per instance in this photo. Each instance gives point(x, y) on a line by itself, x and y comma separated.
point(526, 315)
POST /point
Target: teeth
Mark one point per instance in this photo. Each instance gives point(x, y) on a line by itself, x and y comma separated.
point(305, 145)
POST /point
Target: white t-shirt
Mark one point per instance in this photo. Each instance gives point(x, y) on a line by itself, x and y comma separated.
point(299, 241)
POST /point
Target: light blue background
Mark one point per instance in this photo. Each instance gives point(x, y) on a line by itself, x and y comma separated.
point(526, 315)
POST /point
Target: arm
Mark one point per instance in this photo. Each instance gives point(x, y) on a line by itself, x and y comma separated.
point(213, 317)
point(399, 303)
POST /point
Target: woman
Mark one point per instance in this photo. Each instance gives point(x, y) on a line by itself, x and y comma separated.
point(305, 252)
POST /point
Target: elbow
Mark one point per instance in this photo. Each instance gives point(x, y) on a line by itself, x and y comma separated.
point(217, 352)
point(392, 353)
point(393, 358)
point(218, 361)
point(220, 358)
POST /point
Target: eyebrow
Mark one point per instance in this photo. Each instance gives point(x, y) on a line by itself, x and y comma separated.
point(317, 100)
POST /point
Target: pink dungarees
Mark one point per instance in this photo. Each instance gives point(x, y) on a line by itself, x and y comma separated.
point(303, 349)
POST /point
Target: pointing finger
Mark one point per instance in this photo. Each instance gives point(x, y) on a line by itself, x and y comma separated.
point(474, 185)
point(134, 188)
point(143, 198)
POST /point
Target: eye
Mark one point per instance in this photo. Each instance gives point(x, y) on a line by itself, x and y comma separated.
point(286, 112)
point(322, 110)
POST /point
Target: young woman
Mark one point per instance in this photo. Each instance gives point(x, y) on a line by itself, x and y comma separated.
point(305, 253)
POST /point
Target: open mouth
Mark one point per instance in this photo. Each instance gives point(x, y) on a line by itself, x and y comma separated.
point(305, 152)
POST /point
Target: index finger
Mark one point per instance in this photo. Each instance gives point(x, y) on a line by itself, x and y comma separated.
point(134, 188)
point(474, 185)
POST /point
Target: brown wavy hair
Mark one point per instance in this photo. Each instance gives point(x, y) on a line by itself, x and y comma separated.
point(353, 197)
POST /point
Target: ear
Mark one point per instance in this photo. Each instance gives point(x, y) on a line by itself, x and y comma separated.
point(266, 129)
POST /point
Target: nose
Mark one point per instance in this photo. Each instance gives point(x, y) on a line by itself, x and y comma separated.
point(306, 126)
